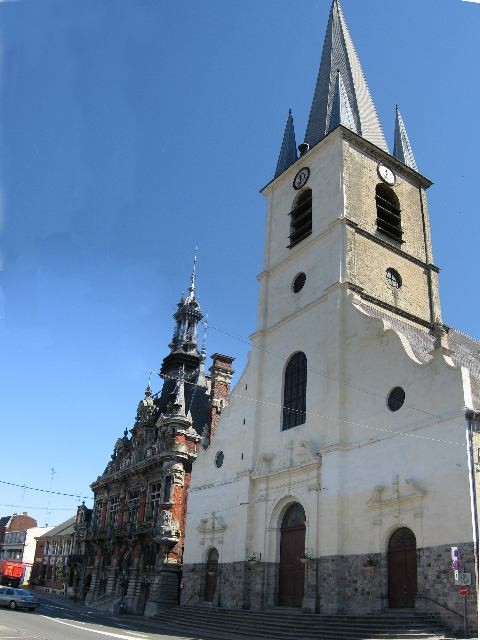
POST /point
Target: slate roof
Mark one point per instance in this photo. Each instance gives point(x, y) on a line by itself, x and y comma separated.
point(339, 56)
point(466, 350)
point(61, 530)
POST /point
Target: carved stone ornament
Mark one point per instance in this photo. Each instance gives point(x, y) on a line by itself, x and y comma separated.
point(146, 411)
point(212, 525)
point(219, 404)
point(262, 465)
point(167, 527)
point(399, 494)
point(177, 472)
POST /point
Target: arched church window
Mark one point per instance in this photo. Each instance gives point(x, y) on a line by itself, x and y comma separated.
point(388, 212)
point(167, 489)
point(295, 391)
point(301, 218)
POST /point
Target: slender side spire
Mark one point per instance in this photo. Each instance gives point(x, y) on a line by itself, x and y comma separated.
point(288, 152)
point(402, 149)
point(341, 109)
point(201, 379)
point(193, 276)
point(339, 55)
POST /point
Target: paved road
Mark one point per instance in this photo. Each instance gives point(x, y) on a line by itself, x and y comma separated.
point(54, 622)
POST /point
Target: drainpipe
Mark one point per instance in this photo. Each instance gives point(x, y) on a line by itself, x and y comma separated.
point(470, 416)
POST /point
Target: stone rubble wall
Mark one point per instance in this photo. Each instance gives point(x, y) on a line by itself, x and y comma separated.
point(340, 584)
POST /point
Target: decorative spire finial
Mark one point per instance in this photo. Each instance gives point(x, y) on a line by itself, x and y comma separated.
point(339, 54)
point(148, 390)
point(402, 149)
point(194, 275)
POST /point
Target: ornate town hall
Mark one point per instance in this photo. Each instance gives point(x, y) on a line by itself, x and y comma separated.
point(338, 478)
point(136, 536)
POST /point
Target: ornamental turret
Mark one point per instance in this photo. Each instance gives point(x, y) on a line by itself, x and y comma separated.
point(184, 351)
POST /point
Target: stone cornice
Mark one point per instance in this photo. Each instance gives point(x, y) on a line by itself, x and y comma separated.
point(364, 145)
point(386, 245)
point(301, 248)
point(141, 467)
point(389, 307)
point(375, 151)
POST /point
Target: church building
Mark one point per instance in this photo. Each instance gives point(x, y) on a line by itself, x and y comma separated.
point(338, 478)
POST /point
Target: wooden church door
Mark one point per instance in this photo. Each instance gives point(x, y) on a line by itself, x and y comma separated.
point(402, 569)
point(211, 577)
point(292, 547)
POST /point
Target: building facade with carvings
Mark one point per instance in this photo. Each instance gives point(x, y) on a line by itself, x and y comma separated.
point(338, 479)
point(136, 536)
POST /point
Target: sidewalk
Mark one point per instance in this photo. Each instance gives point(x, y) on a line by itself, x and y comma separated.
point(80, 606)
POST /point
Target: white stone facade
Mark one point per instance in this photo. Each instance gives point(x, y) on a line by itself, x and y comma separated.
point(359, 470)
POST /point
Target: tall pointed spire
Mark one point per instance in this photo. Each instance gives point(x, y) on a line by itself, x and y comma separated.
point(339, 55)
point(341, 110)
point(402, 149)
point(288, 152)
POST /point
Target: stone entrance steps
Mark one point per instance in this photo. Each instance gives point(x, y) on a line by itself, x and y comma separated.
point(280, 624)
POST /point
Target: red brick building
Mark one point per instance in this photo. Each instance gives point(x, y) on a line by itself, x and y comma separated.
point(135, 540)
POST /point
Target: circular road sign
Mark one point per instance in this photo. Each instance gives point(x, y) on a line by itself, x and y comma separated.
point(463, 591)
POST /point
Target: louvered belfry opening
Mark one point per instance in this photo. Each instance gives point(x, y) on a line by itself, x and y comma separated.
point(388, 213)
point(295, 392)
point(301, 218)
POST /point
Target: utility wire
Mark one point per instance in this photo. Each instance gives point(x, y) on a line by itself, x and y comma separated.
point(23, 506)
point(57, 493)
point(438, 419)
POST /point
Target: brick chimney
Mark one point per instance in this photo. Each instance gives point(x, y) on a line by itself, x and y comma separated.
point(222, 373)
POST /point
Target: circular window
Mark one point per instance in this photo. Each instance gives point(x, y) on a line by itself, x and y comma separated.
point(393, 278)
point(299, 282)
point(219, 459)
point(396, 398)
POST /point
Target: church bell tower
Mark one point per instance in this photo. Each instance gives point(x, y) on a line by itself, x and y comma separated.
point(357, 215)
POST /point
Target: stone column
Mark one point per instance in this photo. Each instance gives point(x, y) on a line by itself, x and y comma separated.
point(164, 590)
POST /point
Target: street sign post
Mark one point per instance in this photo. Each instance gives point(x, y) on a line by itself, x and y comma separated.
point(463, 579)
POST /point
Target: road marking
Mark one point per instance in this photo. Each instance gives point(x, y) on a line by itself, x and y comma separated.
point(140, 635)
point(101, 633)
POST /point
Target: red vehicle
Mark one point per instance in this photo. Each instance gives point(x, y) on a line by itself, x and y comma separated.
point(11, 572)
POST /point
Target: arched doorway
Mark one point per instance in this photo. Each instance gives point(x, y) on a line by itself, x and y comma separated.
point(292, 547)
point(402, 569)
point(211, 577)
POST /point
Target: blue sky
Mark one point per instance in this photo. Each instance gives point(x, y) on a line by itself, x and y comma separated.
point(131, 131)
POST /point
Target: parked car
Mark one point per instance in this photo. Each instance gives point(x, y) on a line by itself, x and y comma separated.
point(18, 599)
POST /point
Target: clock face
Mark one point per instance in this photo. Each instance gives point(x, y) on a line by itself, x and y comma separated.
point(301, 178)
point(386, 174)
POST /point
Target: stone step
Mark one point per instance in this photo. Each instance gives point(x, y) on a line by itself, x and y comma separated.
point(272, 614)
point(294, 625)
point(209, 633)
point(306, 621)
point(315, 632)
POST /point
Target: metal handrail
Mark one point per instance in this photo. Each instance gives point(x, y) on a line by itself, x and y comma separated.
point(443, 606)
